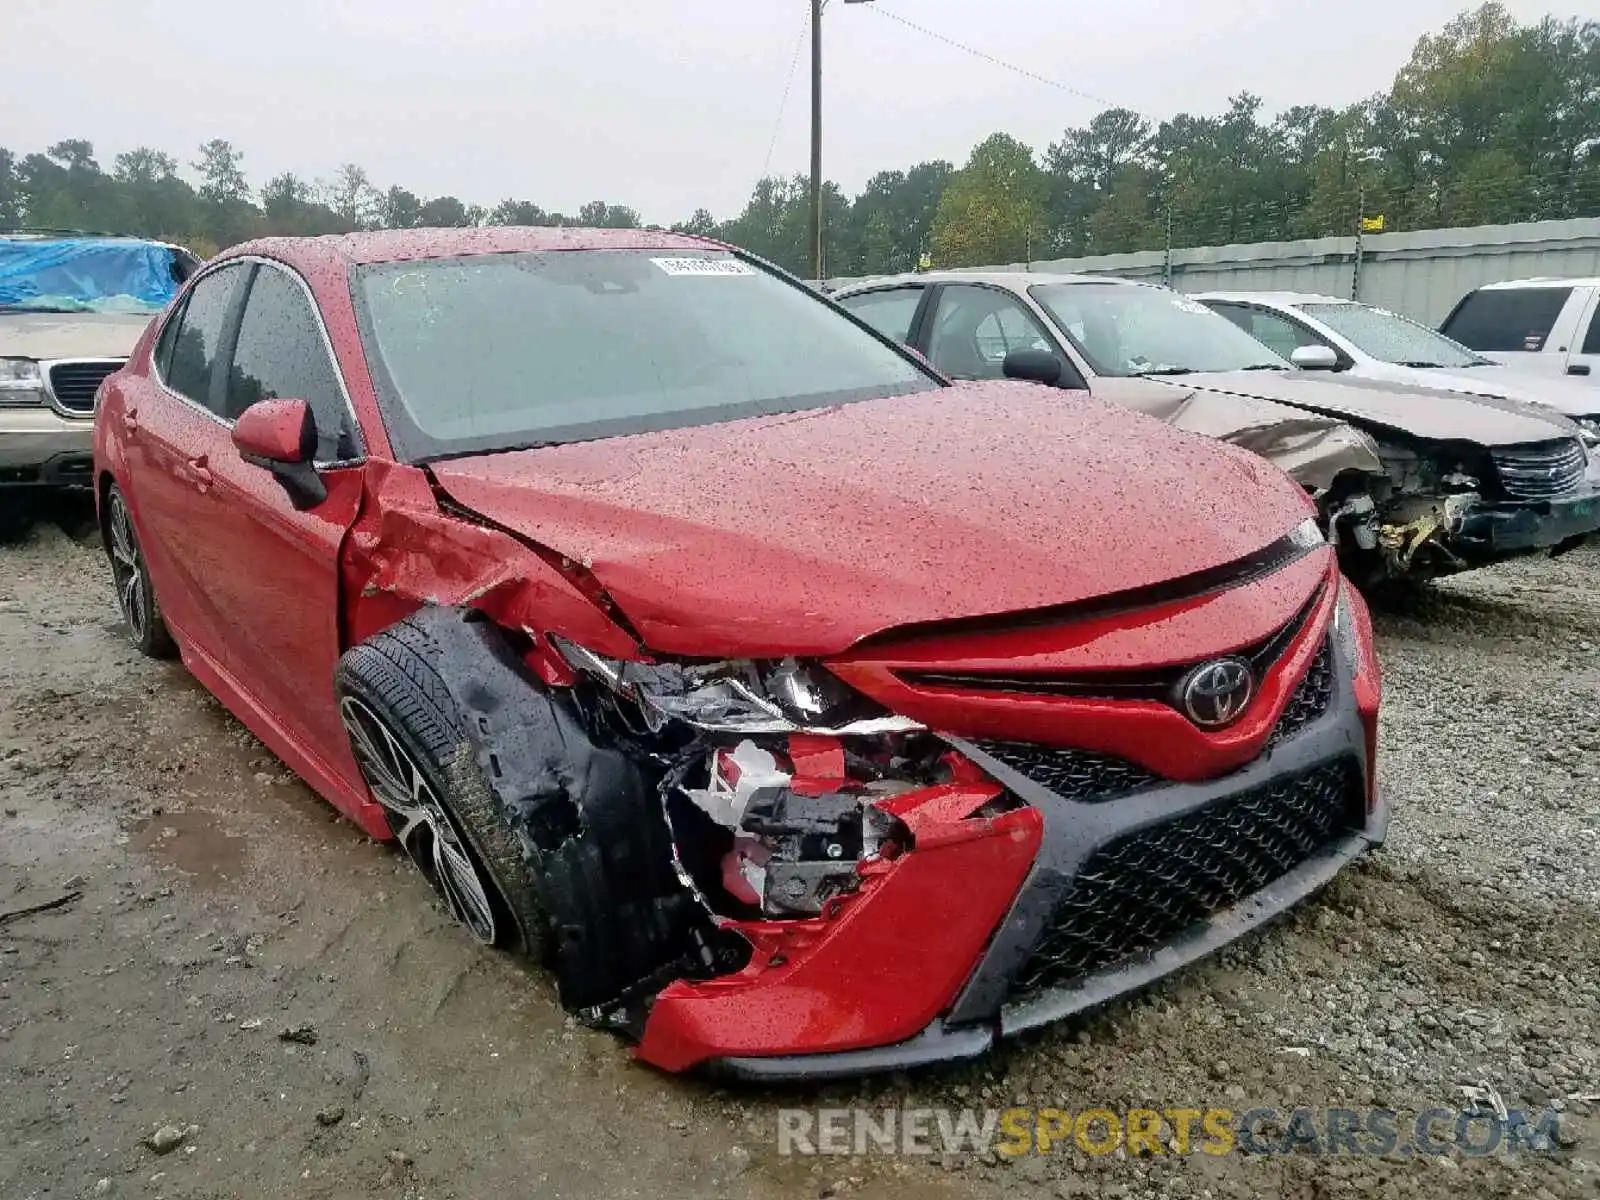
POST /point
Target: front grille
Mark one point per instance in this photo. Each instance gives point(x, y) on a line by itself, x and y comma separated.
point(1540, 472)
point(1148, 888)
point(1080, 775)
point(1159, 685)
point(75, 383)
point(1090, 778)
point(1310, 699)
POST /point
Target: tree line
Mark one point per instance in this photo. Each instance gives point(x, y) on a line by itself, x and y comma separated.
point(1490, 121)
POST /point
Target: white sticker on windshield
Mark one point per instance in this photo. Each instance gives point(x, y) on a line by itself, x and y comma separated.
point(703, 266)
point(1189, 305)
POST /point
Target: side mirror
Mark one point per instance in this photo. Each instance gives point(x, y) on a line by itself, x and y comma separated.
point(1035, 366)
point(1315, 358)
point(281, 435)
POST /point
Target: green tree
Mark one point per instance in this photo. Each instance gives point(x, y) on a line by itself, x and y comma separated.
point(399, 209)
point(219, 166)
point(10, 191)
point(446, 212)
point(701, 224)
point(597, 214)
point(993, 210)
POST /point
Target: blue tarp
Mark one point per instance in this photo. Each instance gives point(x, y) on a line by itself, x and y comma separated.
point(85, 274)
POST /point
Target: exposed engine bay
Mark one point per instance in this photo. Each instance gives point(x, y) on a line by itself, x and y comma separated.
point(1444, 508)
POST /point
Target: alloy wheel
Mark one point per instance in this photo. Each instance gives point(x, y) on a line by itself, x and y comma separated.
point(126, 573)
point(422, 825)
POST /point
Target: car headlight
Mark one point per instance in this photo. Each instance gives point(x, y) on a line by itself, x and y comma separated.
point(738, 695)
point(21, 381)
point(1588, 432)
point(1344, 627)
point(1307, 535)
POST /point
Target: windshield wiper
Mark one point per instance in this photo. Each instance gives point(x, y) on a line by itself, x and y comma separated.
point(1166, 371)
point(1426, 366)
point(38, 308)
point(1264, 367)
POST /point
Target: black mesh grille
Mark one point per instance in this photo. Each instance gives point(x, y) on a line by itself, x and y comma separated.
point(1078, 775)
point(1088, 778)
point(75, 383)
point(1147, 888)
point(1310, 699)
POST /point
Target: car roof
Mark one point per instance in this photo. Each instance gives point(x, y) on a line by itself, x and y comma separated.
point(1541, 281)
point(407, 245)
point(1015, 281)
point(1284, 298)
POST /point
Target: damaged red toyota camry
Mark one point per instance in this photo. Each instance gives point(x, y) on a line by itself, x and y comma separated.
point(807, 713)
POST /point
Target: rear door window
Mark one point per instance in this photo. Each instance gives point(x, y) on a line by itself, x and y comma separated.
point(191, 364)
point(1591, 341)
point(890, 311)
point(1506, 320)
point(1279, 334)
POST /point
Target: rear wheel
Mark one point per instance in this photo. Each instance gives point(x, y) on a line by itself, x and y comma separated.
point(135, 595)
point(406, 733)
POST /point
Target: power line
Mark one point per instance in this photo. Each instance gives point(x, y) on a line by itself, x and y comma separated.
point(989, 58)
point(788, 86)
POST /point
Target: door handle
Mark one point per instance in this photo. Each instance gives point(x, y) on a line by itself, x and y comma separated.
point(1578, 369)
point(198, 473)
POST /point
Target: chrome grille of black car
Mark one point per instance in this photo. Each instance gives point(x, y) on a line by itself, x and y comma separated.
point(1089, 778)
point(1542, 471)
point(74, 383)
point(1147, 888)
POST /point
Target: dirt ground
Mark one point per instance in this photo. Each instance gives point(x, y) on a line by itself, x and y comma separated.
point(217, 904)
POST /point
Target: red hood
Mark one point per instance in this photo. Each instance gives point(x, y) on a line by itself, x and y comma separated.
point(805, 532)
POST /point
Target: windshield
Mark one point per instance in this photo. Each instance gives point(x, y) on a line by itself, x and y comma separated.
point(1133, 330)
point(87, 275)
point(1391, 338)
point(499, 351)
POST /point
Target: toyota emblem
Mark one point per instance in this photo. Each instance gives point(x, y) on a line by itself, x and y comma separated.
point(1215, 693)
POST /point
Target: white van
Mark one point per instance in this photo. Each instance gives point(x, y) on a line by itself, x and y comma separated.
point(1545, 326)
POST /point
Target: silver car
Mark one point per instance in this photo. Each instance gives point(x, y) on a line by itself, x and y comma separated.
point(1412, 483)
point(1324, 333)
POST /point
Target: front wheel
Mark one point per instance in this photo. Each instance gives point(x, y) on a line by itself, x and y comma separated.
point(407, 737)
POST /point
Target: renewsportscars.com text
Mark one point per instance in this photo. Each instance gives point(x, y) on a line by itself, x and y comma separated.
point(1176, 1131)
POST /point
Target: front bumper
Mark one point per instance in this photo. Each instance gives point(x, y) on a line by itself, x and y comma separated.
point(1516, 527)
point(992, 1005)
point(40, 447)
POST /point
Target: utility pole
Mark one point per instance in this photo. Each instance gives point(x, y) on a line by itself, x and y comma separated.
point(815, 230)
point(816, 141)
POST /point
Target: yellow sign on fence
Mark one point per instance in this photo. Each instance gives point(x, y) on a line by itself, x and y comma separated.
point(1372, 224)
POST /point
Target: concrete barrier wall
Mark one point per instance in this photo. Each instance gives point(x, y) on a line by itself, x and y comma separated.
point(1420, 274)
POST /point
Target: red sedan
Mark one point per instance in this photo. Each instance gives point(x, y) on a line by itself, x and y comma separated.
point(808, 713)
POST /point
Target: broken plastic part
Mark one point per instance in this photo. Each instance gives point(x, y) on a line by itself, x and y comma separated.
point(738, 696)
point(798, 828)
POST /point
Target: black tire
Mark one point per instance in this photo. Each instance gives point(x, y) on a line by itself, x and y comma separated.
point(136, 596)
point(395, 677)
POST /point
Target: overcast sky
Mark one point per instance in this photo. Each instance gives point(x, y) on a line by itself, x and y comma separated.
point(666, 105)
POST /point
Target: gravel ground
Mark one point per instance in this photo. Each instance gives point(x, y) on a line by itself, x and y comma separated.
point(219, 905)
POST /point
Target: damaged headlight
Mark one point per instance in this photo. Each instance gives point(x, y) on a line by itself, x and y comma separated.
point(1588, 433)
point(1344, 626)
point(738, 695)
point(1307, 535)
point(21, 381)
